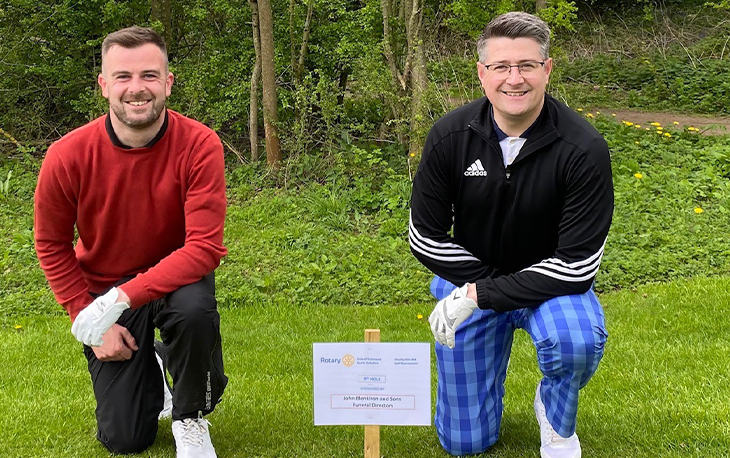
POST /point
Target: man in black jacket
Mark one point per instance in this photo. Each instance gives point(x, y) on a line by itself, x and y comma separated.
point(525, 184)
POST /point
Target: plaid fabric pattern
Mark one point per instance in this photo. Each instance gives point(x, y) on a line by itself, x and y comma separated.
point(569, 334)
point(441, 288)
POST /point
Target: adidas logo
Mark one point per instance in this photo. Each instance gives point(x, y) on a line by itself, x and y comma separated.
point(476, 170)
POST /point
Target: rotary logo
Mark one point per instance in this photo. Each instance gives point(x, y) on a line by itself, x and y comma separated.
point(348, 360)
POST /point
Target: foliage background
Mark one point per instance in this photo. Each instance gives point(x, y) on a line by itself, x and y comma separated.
point(49, 59)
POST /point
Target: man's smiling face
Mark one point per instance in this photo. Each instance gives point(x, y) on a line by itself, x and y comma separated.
point(136, 82)
point(514, 96)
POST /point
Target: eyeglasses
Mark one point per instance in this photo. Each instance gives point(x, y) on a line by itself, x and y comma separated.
point(525, 68)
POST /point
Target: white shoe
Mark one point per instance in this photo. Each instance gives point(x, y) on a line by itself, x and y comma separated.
point(192, 438)
point(166, 411)
point(552, 444)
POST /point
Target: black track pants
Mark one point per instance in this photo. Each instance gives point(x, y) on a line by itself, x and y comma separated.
point(129, 394)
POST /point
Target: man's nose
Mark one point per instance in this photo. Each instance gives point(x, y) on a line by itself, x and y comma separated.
point(514, 75)
point(136, 84)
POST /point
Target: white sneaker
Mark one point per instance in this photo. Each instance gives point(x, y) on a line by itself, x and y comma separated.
point(552, 444)
point(192, 438)
point(166, 411)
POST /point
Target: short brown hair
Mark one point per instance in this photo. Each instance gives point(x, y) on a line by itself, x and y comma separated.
point(133, 37)
point(516, 24)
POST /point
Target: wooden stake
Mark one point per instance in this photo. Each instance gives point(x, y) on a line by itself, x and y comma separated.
point(372, 432)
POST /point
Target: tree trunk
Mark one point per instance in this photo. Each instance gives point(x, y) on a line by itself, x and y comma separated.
point(305, 45)
point(253, 117)
point(398, 80)
point(162, 11)
point(419, 80)
point(388, 48)
point(540, 4)
point(344, 74)
point(410, 78)
point(292, 45)
point(268, 74)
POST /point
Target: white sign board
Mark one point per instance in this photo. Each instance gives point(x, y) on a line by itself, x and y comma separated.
point(372, 384)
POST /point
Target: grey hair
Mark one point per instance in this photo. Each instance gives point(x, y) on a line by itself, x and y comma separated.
point(516, 24)
point(133, 37)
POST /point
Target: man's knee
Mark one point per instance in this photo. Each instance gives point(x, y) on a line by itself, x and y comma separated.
point(468, 435)
point(570, 351)
point(125, 442)
point(569, 334)
point(193, 306)
point(467, 445)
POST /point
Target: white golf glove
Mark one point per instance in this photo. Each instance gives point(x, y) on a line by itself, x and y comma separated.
point(449, 313)
point(96, 319)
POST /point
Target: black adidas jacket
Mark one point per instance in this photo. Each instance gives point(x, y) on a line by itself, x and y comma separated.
point(525, 234)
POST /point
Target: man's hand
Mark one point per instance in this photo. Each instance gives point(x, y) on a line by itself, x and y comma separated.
point(119, 345)
point(96, 319)
point(449, 313)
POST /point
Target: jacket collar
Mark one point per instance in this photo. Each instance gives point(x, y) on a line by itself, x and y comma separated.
point(540, 134)
point(116, 142)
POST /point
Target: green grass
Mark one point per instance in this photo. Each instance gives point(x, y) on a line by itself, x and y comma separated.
point(662, 390)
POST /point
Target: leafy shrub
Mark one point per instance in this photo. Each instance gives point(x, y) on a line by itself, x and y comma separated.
point(669, 83)
point(340, 236)
point(672, 195)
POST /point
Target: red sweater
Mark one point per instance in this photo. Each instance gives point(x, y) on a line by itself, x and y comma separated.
point(154, 213)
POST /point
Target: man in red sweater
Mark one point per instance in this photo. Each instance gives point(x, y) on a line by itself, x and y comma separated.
point(144, 188)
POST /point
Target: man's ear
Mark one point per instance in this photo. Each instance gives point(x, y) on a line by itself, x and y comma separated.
point(482, 72)
point(102, 84)
point(548, 65)
point(168, 83)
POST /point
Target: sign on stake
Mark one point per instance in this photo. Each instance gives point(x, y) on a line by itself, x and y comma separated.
point(372, 384)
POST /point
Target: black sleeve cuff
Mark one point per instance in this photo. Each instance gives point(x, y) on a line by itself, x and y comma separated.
point(482, 295)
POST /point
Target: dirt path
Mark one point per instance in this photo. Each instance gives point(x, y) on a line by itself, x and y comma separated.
point(706, 124)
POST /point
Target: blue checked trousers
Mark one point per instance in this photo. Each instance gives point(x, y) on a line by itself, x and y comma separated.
point(569, 333)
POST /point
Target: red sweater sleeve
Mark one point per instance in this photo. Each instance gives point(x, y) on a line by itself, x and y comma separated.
point(205, 210)
point(56, 201)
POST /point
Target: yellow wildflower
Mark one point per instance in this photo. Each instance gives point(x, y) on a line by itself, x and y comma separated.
point(655, 124)
point(675, 123)
point(667, 134)
point(413, 154)
point(419, 316)
point(598, 112)
point(589, 115)
point(628, 123)
point(579, 109)
point(647, 128)
point(638, 126)
point(638, 175)
point(698, 210)
point(636, 143)
point(659, 128)
point(613, 114)
point(18, 327)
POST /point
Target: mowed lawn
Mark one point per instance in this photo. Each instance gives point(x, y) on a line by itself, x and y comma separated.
point(663, 389)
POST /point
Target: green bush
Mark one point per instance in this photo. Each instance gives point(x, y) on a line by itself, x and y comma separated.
point(672, 201)
point(652, 82)
point(340, 236)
